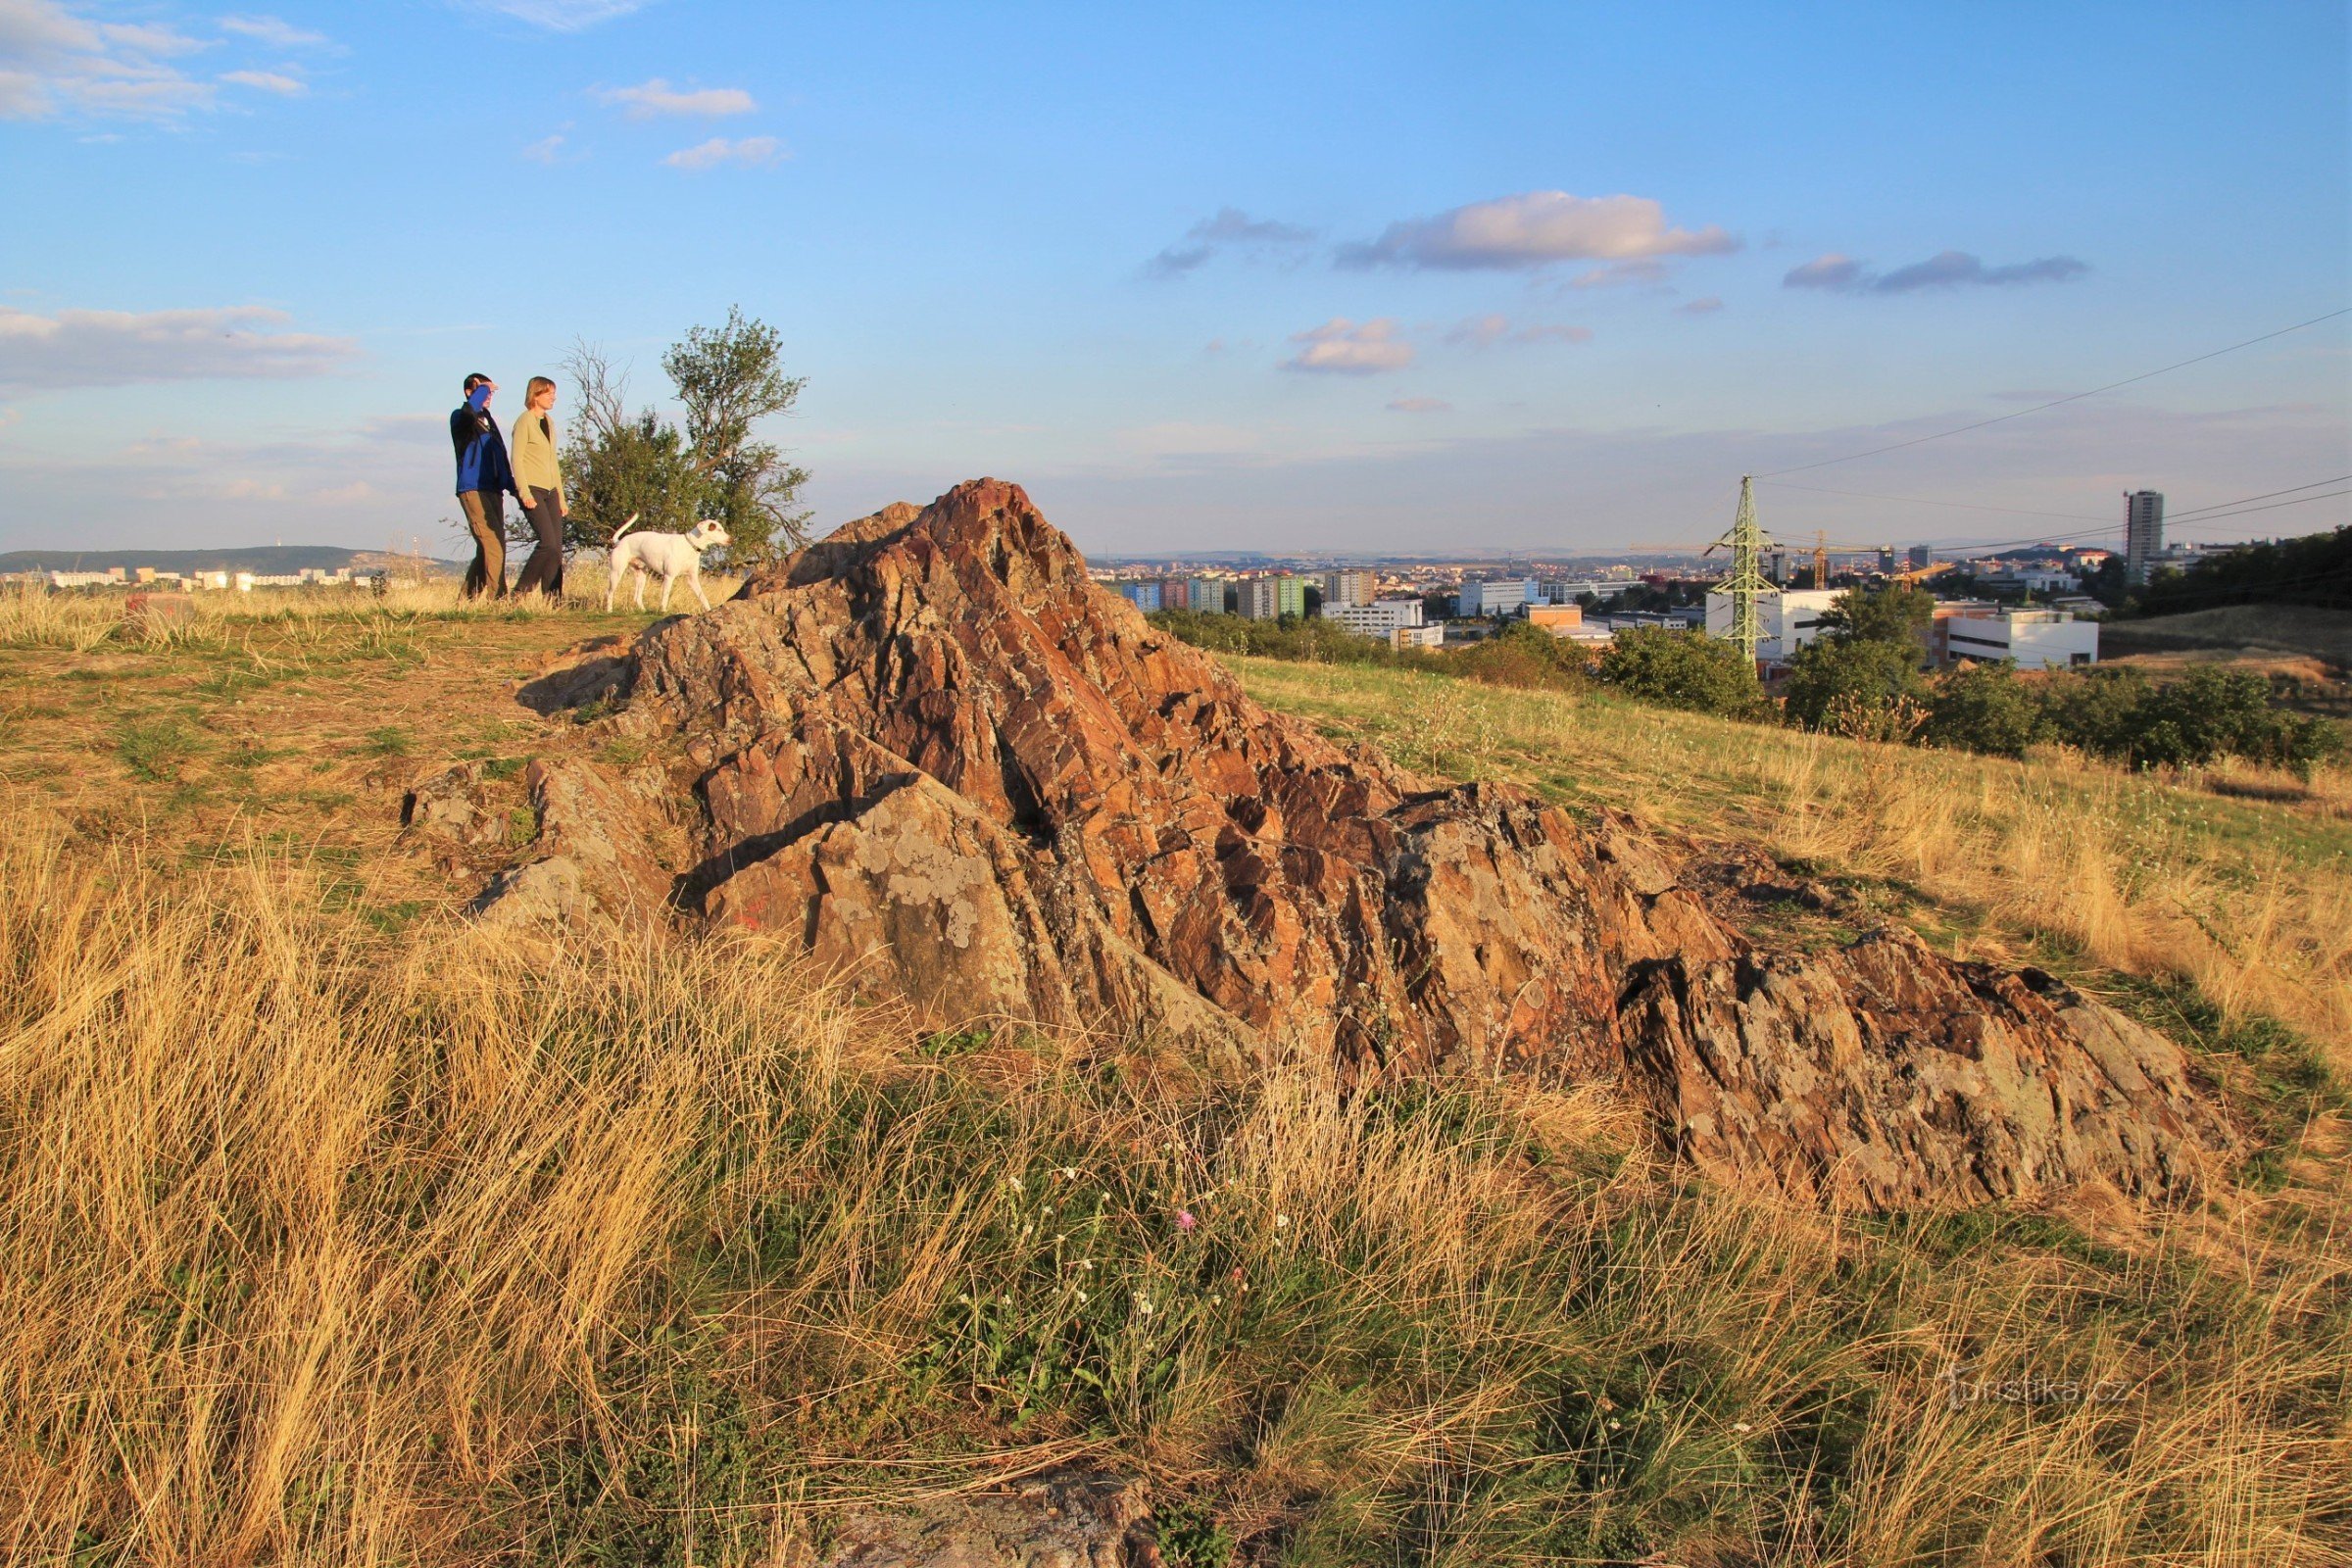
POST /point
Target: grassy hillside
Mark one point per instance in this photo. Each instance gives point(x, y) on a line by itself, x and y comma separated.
point(333, 1231)
point(2292, 629)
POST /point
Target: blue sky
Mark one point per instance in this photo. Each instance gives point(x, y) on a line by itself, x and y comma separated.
point(1361, 277)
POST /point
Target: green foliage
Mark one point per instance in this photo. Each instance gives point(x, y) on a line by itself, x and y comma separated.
point(155, 749)
point(1897, 614)
point(729, 378)
point(2314, 569)
point(1850, 675)
point(1682, 669)
point(2210, 713)
point(1983, 708)
point(1520, 656)
point(1523, 655)
point(619, 463)
point(1310, 640)
point(637, 466)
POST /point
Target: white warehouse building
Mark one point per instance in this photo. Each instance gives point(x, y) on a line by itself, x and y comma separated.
point(1382, 619)
point(1787, 620)
point(2038, 639)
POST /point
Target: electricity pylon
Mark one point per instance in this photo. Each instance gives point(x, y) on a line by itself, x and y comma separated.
point(1746, 585)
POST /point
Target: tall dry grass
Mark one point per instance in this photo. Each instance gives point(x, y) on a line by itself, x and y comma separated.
point(87, 621)
point(316, 1249)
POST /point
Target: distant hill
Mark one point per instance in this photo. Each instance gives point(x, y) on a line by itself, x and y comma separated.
point(262, 560)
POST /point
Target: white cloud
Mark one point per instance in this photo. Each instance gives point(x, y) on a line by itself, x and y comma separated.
point(275, 31)
point(268, 82)
point(1484, 331)
point(55, 60)
point(117, 348)
point(1535, 229)
point(567, 15)
point(1946, 270)
point(656, 97)
point(545, 150)
point(1340, 347)
point(1706, 305)
point(1420, 406)
point(752, 152)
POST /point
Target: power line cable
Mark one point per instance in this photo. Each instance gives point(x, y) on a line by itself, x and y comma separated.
point(2184, 517)
point(2075, 397)
point(1921, 501)
point(2273, 507)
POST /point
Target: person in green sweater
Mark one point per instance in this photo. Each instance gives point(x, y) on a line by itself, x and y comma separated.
point(539, 486)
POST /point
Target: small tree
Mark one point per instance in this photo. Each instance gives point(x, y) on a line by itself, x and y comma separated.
point(1897, 614)
point(1845, 675)
point(730, 378)
point(1682, 669)
point(1983, 708)
point(618, 463)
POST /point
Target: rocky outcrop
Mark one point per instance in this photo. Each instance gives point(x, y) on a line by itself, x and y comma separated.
point(932, 750)
point(596, 855)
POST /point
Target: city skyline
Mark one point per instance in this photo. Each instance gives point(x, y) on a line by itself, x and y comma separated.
point(1330, 281)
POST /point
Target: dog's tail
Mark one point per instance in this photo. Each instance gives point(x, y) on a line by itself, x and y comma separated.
point(625, 527)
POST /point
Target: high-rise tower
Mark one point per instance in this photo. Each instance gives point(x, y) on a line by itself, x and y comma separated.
point(2143, 535)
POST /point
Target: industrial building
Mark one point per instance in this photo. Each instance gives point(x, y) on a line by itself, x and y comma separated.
point(1495, 598)
point(1786, 622)
point(1558, 619)
point(1382, 618)
point(2038, 639)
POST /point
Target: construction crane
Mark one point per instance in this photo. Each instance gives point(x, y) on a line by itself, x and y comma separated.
point(1746, 585)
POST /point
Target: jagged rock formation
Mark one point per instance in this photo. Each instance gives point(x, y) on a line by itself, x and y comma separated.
point(932, 750)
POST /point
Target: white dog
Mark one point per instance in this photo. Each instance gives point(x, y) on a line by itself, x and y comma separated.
point(667, 556)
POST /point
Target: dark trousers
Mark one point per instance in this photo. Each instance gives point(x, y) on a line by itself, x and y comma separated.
point(486, 520)
point(544, 571)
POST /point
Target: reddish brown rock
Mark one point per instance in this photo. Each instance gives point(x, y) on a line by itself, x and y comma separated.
point(597, 854)
point(939, 754)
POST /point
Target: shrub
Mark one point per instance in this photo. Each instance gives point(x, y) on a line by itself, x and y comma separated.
point(1523, 655)
point(1682, 670)
point(1983, 708)
point(1849, 675)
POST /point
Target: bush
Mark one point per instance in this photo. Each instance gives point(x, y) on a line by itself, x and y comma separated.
point(1526, 657)
point(1312, 640)
point(1983, 708)
point(1851, 675)
point(1682, 670)
point(2210, 713)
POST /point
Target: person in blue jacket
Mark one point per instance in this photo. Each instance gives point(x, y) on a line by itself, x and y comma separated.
point(485, 478)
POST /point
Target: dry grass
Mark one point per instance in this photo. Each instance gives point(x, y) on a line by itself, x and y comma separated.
point(336, 1240)
point(318, 1248)
point(2250, 900)
point(86, 622)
